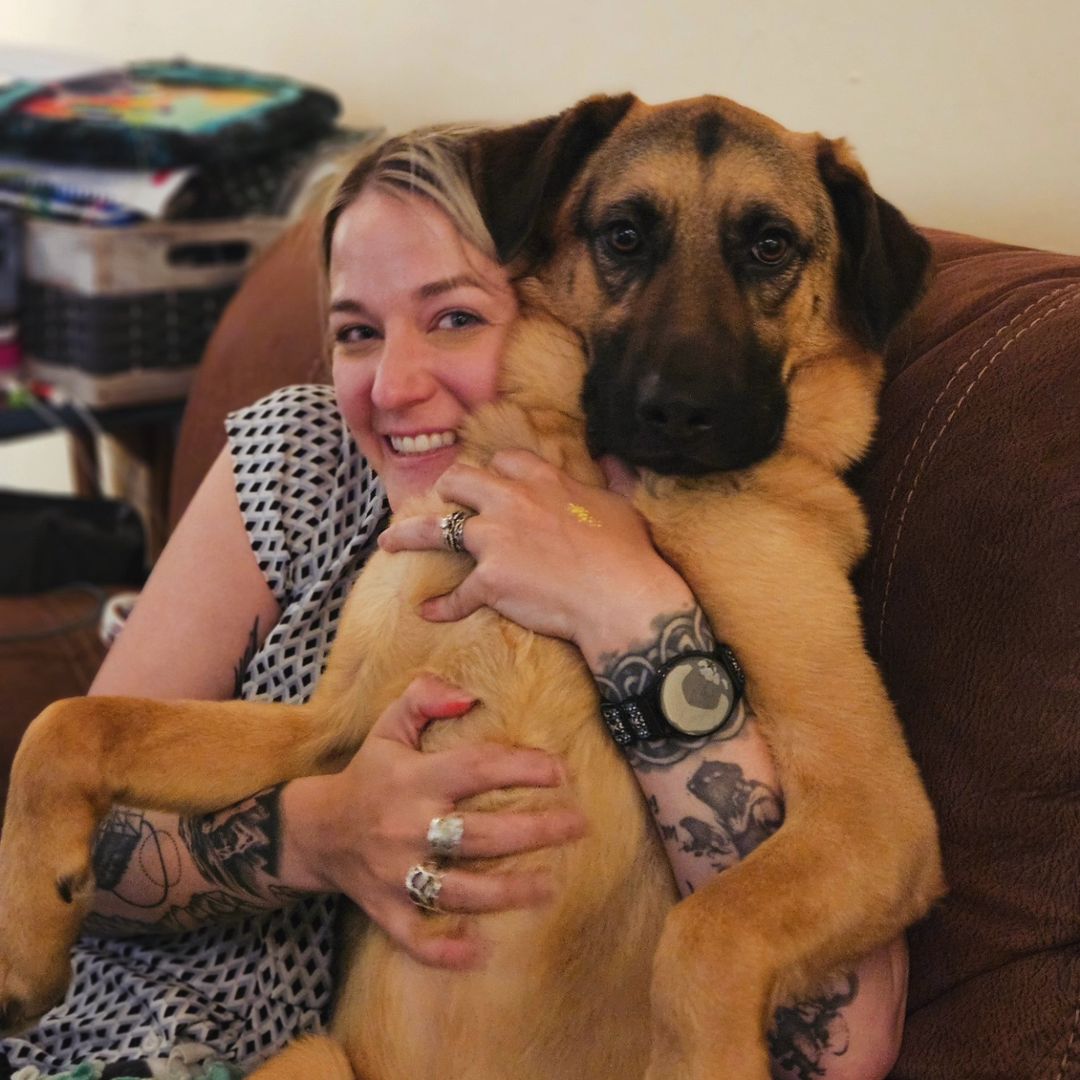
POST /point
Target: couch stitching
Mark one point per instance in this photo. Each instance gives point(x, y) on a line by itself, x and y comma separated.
point(1069, 1045)
point(937, 401)
point(1075, 295)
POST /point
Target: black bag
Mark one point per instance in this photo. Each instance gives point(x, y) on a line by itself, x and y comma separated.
point(48, 541)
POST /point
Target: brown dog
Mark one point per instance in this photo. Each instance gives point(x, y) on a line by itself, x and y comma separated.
point(732, 284)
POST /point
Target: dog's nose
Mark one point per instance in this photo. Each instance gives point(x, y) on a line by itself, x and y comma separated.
point(673, 416)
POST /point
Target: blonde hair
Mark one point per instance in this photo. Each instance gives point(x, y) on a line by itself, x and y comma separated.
point(428, 162)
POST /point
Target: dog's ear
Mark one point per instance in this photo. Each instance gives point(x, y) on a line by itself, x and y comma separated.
point(884, 262)
point(519, 174)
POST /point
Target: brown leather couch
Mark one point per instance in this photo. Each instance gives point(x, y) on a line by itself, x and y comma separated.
point(972, 602)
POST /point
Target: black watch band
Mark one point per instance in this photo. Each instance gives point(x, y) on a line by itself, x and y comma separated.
point(642, 718)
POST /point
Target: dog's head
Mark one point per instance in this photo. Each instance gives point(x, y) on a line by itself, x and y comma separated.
point(733, 282)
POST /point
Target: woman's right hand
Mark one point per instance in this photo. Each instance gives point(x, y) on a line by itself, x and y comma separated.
point(358, 832)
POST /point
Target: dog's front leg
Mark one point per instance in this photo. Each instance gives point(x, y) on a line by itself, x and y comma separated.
point(82, 755)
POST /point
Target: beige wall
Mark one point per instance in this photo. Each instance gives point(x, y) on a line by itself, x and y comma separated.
point(966, 113)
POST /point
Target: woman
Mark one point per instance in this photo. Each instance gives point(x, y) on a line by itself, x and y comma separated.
point(418, 315)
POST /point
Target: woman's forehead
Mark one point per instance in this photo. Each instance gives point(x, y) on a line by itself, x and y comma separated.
point(385, 229)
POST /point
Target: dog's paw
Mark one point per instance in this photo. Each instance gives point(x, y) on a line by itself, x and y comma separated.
point(25, 999)
point(40, 914)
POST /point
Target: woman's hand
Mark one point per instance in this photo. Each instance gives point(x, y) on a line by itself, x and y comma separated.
point(359, 831)
point(555, 556)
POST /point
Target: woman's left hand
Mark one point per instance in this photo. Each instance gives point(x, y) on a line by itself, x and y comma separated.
point(553, 555)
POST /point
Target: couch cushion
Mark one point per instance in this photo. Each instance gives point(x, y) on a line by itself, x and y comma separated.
point(971, 596)
point(49, 649)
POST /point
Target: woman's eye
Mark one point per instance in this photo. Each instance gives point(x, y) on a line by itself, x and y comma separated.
point(772, 247)
point(623, 237)
point(354, 334)
point(458, 320)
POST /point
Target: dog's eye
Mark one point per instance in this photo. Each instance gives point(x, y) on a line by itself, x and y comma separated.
point(772, 247)
point(624, 238)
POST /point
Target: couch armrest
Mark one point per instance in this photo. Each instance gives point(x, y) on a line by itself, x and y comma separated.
point(971, 596)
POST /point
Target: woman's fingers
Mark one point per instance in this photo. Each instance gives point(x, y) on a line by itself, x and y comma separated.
point(430, 943)
point(466, 892)
point(420, 533)
point(425, 699)
point(489, 835)
point(482, 767)
point(462, 893)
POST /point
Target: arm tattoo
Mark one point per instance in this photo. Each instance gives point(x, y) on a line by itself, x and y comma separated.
point(626, 674)
point(745, 813)
point(201, 909)
point(125, 838)
point(244, 662)
point(804, 1034)
point(232, 847)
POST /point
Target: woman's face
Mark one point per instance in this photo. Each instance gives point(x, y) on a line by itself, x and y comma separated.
point(418, 321)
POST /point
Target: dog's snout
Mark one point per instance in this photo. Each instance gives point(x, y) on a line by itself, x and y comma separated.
point(671, 414)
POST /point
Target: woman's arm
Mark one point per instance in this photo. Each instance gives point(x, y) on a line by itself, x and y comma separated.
point(713, 801)
point(205, 610)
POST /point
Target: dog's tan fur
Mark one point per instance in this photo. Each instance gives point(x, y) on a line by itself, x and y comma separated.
point(612, 975)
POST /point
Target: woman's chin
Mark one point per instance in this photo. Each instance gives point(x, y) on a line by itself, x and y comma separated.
point(406, 476)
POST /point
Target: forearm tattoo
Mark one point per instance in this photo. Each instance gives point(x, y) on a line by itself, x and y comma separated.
point(235, 848)
point(741, 814)
point(201, 909)
point(626, 674)
point(805, 1035)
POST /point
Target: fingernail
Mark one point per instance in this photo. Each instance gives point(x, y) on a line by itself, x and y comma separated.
point(453, 708)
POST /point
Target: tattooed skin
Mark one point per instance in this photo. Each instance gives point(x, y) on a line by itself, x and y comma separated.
point(804, 1035)
point(626, 674)
point(240, 670)
point(125, 838)
point(203, 908)
point(745, 813)
point(234, 846)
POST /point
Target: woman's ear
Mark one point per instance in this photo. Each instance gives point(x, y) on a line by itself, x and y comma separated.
point(520, 174)
point(884, 261)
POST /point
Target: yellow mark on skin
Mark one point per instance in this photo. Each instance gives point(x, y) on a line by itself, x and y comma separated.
point(583, 515)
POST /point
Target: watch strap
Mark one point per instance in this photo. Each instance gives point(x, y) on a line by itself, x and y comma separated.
point(640, 719)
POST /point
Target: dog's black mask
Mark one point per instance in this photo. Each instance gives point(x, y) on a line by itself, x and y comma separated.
point(684, 407)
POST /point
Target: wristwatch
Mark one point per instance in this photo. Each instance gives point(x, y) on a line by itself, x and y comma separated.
point(693, 695)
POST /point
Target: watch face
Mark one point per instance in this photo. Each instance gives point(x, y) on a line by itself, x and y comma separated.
point(696, 695)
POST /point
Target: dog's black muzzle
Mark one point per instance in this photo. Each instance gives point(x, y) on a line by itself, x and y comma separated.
point(681, 422)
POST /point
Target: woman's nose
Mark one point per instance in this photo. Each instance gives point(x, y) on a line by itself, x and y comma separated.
point(403, 376)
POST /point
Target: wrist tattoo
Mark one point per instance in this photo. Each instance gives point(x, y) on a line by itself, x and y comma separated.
point(626, 674)
point(235, 846)
point(807, 1032)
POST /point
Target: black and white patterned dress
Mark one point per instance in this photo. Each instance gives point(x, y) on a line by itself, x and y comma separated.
point(312, 508)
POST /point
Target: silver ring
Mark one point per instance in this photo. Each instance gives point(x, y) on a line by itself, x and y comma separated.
point(423, 883)
point(444, 835)
point(452, 528)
